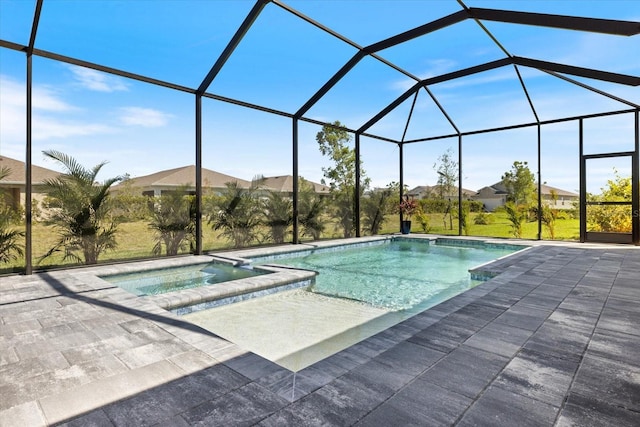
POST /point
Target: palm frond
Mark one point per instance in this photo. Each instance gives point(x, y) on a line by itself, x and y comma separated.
point(4, 172)
point(73, 167)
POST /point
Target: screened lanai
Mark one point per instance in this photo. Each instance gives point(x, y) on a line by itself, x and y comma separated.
point(187, 97)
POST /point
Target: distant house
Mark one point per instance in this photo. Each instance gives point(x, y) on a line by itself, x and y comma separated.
point(434, 191)
point(284, 184)
point(13, 187)
point(158, 183)
point(171, 179)
point(494, 196)
point(564, 199)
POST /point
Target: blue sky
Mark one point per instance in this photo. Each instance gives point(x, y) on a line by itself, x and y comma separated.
point(282, 61)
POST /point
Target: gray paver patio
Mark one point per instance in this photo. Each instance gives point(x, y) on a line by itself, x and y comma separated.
point(553, 339)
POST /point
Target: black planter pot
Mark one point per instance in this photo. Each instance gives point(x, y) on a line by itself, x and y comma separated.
point(405, 227)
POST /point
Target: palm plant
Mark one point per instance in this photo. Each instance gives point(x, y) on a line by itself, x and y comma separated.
point(374, 208)
point(237, 215)
point(310, 209)
point(278, 212)
point(343, 211)
point(516, 215)
point(10, 248)
point(548, 218)
point(173, 222)
point(79, 210)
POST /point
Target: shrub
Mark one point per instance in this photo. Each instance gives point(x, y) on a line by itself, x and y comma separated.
point(173, 221)
point(423, 220)
point(483, 218)
point(278, 214)
point(237, 215)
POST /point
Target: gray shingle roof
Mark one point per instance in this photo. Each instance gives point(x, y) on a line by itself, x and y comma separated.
point(186, 175)
point(17, 175)
point(284, 183)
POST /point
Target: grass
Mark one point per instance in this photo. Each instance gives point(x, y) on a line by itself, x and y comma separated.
point(136, 240)
point(565, 229)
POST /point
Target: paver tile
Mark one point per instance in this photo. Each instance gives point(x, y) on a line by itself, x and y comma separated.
point(419, 404)
point(539, 376)
point(466, 371)
point(615, 346)
point(500, 339)
point(589, 412)
point(497, 408)
point(612, 381)
point(74, 401)
point(244, 406)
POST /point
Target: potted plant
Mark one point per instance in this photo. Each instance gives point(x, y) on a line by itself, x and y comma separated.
point(408, 207)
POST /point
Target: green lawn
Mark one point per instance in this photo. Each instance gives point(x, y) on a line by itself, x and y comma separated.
point(565, 229)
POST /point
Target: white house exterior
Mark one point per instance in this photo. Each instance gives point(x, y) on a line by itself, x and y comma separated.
point(495, 196)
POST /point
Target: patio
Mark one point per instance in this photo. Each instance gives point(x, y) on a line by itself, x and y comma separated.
point(552, 340)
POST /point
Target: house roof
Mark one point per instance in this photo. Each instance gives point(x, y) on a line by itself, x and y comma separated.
point(185, 175)
point(284, 183)
point(500, 188)
point(422, 189)
point(17, 175)
point(497, 188)
point(546, 189)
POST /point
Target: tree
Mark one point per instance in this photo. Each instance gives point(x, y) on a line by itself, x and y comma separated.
point(447, 169)
point(10, 248)
point(520, 184)
point(611, 218)
point(521, 192)
point(333, 142)
point(278, 213)
point(173, 220)
point(80, 211)
point(237, 214)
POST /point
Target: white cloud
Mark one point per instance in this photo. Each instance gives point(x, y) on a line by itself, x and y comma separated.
point(436, 67)
point(14, 95)
point(46, 125)
point(146, 117)
point(97, 81)
point(497, 75)
point(45, 128)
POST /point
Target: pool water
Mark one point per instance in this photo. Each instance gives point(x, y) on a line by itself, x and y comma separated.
point(395, 276)
point(160, 281)
point(359, 292)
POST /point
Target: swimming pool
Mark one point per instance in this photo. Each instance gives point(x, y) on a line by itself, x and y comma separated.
point(360, 290)
point(163, 280)
point(395, 275)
